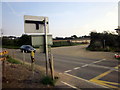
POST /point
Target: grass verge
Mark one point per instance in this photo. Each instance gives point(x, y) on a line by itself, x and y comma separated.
point(47, 80)
point(12, 60)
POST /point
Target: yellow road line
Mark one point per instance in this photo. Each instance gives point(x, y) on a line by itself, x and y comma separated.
point(110, 82)
point(117, 67)
point(85, 80)
point(102, 75)
point(103, 83)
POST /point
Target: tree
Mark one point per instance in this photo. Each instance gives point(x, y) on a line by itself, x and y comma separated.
point(104, 40)
point(74, 36)
point(24, 40)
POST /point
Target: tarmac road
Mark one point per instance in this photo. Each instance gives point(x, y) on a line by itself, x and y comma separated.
point(95, 67)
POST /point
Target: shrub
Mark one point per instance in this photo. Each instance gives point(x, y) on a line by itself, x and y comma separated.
point(49, 81)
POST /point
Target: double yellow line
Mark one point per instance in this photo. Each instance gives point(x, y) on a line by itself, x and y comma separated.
point(105, 83)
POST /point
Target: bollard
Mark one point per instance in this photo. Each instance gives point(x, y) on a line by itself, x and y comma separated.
point(3, 67)
point(23, 57)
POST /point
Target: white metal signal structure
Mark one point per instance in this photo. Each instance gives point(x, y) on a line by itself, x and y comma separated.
point(35, 24)
point(38, 24)
point(38, 40)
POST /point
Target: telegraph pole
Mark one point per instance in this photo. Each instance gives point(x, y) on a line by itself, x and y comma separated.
point(46, 47)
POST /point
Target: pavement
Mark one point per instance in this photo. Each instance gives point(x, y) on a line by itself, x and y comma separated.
point(78, 68)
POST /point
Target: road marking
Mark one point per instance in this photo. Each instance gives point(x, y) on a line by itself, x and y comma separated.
point(99, 61)
point(85, 80)
point(91, 63)
point(85, 65)
point(105, 83)
point(70, 85)
point(110, 82)
point(117, 67)
point(76, 68)
point(112, 68)
point(68, 71)
point(102, 75)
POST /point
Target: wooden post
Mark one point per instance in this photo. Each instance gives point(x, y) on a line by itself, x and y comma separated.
point(13, 53)
point(3, 67)
point(51, 66)
point(23, 57)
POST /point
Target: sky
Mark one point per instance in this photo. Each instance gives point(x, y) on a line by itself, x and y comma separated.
point(65, 18)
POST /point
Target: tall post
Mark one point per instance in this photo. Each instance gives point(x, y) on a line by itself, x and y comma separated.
point(23, 57)
point(51, 66)
point(46, 47)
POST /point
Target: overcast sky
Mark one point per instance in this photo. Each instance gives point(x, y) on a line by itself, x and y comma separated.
point(65, 18)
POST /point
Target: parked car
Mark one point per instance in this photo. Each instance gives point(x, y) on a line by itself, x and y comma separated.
point(27, 48)
point(117, 56)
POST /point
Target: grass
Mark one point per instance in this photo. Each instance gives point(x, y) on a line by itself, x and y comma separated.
point(12, 60)
point(47, 80)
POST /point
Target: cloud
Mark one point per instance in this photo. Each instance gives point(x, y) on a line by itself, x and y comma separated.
point(107, 23)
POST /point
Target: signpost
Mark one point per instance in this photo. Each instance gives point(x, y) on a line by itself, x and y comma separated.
point(3, 56)
point(38, 24)
point(39, 41)
point(35, 24)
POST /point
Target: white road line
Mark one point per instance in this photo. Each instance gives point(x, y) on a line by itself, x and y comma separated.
point(102, 66)
point(70, 85)
point(76, 68)
point(85, 65)
point(68, 71)
point(84, 80)
point(99, 61)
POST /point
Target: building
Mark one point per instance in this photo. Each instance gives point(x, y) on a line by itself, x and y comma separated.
point(118, 30)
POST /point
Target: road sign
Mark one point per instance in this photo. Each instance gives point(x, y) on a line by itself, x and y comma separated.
point(35, 24)
point(3, 55)
point(3, 52)
point(39, 40)
point(38, 24)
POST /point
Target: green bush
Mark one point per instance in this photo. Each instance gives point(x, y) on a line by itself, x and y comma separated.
point(48, 81)
point(64, 43)
point(104, 42)
point(61, 43)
